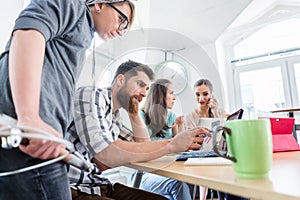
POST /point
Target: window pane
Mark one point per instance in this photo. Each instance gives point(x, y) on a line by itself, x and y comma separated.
point(262, 91)
point(284, 35)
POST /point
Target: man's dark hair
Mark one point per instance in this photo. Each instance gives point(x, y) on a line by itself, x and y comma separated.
point(131, 68)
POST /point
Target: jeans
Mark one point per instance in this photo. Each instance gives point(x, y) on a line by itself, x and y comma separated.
point(170, 188)
point(49, 182)
point(233, 197)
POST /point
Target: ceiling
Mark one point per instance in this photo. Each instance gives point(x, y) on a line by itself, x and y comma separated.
point(204, 21)
point(201, 20)
point(191, 26)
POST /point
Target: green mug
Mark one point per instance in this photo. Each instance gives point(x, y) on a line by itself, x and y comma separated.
point(249, 144)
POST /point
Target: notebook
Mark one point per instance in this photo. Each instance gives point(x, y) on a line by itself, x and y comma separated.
point(282, 134)
point(208, 161)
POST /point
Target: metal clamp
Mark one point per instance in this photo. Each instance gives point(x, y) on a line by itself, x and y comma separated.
point(13, 140)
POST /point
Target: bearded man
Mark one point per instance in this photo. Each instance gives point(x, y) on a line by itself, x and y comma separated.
point(100, 136)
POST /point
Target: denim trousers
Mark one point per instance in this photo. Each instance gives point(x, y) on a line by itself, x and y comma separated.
point(44, 183)
point(170, 188)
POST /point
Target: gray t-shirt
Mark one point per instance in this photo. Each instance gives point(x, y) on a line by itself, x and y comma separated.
point(68, 30)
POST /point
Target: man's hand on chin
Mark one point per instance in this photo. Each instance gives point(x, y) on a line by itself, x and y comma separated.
point(134, 104)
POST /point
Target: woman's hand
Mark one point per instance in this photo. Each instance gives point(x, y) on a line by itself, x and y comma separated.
point(178, 121)
point(213, 105)
point(177, 126)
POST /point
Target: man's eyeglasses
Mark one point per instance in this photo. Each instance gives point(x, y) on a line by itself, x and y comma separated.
point(124, 21)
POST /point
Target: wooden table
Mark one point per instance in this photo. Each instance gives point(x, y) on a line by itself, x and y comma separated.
point(283, 182)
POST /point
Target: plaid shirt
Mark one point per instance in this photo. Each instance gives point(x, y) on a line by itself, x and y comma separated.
point(95, 127)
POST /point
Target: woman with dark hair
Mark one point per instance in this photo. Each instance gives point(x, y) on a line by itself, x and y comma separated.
point(207, 108)
point(207, 104)
point(162, 123)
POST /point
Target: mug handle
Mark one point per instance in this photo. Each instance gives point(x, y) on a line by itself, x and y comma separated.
point(216, 144)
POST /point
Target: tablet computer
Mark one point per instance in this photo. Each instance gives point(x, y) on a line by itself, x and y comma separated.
point(236, 115)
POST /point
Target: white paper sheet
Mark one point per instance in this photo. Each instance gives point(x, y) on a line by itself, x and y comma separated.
point(207, 161)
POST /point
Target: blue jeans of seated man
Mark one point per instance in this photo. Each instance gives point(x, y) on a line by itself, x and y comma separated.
point(167, 187)
point(49, 182)
point(233, 197)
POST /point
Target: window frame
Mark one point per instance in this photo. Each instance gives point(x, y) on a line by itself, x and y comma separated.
point(288, 78)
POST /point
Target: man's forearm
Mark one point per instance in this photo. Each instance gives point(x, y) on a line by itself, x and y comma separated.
point(122, 152)
point(140, 131)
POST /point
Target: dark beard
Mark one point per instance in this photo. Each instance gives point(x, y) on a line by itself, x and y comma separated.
point(123, 98)
point(134, 104)
point(130, 104)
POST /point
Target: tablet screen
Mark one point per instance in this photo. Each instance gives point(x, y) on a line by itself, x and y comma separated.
point(236, 115)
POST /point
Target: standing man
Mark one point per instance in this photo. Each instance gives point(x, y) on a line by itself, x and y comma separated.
point(38, 71)
point(98, 129)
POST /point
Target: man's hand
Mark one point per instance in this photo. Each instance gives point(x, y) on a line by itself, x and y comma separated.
point(40, 148)
point(134, 104)
point(189, 139)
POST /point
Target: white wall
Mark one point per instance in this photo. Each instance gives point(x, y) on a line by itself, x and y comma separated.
point(206, 18)
point(9, 10)
point(198, 63)
point(203, 56)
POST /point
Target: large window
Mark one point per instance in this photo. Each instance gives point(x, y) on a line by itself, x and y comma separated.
point(262, 90)
point(269, 39)
point(263, 68)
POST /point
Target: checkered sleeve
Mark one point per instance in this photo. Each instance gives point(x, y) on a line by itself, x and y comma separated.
point(93, 119)
point(125, 132)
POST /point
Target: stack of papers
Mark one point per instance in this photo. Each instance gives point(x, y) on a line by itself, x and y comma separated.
point(207, 161)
